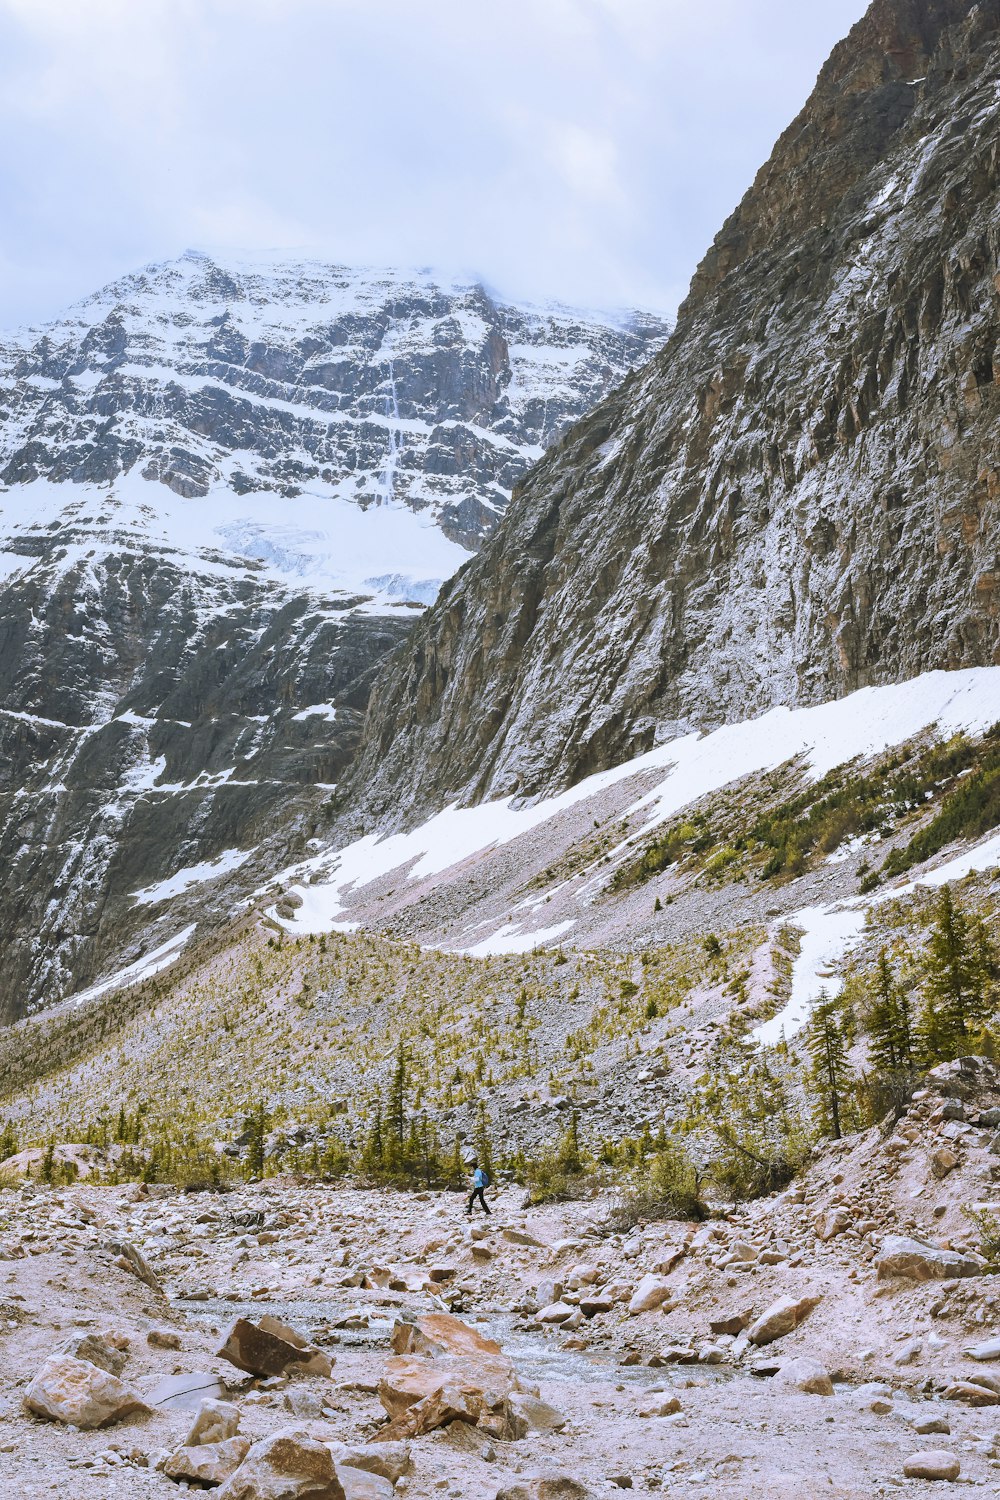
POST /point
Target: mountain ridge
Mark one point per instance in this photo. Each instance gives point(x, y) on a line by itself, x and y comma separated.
point(191, 614)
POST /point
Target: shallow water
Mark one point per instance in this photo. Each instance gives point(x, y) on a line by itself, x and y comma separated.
point(538, 1358)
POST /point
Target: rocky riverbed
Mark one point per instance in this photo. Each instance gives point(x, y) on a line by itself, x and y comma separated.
point(815, 1343)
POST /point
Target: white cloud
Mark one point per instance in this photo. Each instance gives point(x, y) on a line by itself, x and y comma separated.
point(583, 147)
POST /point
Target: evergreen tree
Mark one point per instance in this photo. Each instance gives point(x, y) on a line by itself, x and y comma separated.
point(888, 1021)
point(568, 1153)
point(256, 1129)
point(758, 1141)
point(958, 980)
point(396, 1103)
point(373, 1152)
point(47, 1166)
point(8, 1141)
point(829, 1078)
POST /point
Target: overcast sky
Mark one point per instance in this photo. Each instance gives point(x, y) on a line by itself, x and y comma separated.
point(583, 149)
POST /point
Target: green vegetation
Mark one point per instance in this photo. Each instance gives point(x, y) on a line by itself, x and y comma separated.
point(987, 1225)
point(744, 1116)
point(968, 811)
point(829, 1078)
point(959, 974)
point(757, 830)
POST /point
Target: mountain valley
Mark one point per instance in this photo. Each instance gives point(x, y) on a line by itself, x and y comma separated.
point(440, 733)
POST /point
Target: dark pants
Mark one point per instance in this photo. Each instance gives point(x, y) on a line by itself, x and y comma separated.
point(477, 1193)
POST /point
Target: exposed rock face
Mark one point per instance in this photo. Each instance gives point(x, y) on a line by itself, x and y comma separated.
point(225, 494)
point(296, 377)
point(797, 497)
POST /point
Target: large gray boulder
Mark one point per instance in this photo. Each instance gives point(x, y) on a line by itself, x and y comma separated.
point(782, 1317)
point(287, 1465)
point(80, 1394)
point(917, 1260)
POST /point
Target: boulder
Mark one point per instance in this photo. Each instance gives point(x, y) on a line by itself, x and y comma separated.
point(420, 1394)
point(971, 1394)
point(128, 1258)
point(215, 1422)
point(389, 1460)
point(935, 1463)
point(270, 1347)
point(440, 1333)
point(186, 1392)
point(830, 1222)
point(537, 1415)
point(362, 1484)
point(943, 1161)
point(740, 1251)
point(661, 1406)
point(288, 1465)
point(522, 1237)
point(556, 1312)
point(732, 1323)
point(669, 1256)
point(916, 1260)
point(163, 1338)
point(782, 1317)
point(651, 1292)
point(592, 1303)
point(805, 1374)
point(81, 1394)
point(301, 1401)
point(206, 1464)
point(98, 1352)
point(988, 1349)
point(548, 1486)
point(926, 1426)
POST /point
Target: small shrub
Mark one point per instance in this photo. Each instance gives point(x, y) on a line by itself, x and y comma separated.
point(987, 1225)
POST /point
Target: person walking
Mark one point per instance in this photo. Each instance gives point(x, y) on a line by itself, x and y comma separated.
point(480, 1182)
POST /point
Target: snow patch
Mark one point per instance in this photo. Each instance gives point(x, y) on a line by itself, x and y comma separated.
point(175, 885)
point(143, 968)
point(316, 711)
point(829, 933)
point(510, 939)
point(862, 724)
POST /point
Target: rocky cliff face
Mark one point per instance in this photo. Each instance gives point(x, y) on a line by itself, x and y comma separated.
point(799, 495)
point(227, 494)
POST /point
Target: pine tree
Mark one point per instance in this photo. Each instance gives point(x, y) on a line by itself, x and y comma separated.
point(958, 981)
point(373, 1152)
point(8, 1141)
point(396, 1102)
point(888, 1021)
point(256, 1130)
point(745, 1107)
point(568, 1154)
point(829, 1078)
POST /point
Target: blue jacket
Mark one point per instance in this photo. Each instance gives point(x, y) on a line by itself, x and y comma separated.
point(479, 1178)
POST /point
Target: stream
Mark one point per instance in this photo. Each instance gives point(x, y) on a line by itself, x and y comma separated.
point(536, 1357)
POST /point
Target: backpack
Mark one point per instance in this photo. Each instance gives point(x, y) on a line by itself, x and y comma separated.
point(485, 1176)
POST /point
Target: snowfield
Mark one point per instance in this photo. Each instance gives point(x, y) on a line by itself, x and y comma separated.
point(863, 724)
point(332, 883)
